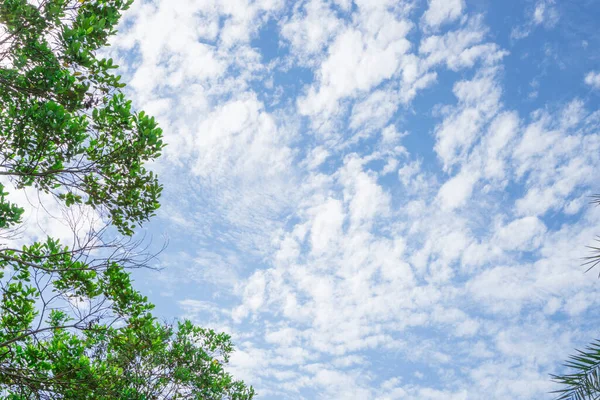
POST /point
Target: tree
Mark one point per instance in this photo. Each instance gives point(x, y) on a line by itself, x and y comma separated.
point(583, 383)
point(71, 324)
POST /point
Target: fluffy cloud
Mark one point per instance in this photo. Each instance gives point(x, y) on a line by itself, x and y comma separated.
point(593, 79)
point(544, 13)
point(441, 11)
point(311, 27)
point(358, 59)
point(395, 223)
point(478, 103)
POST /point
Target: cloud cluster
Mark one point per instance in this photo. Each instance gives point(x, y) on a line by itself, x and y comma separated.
point(394, 226)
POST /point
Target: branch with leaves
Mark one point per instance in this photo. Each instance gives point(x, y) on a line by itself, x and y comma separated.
point(584, 384)
point(72, 326)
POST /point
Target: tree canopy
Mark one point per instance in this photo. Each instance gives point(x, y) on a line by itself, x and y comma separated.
point(71, 324)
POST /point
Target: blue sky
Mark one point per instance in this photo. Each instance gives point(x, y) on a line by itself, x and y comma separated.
point(378, 199)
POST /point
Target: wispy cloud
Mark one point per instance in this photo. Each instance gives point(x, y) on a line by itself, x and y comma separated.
point(593, 79)
point(396, 224)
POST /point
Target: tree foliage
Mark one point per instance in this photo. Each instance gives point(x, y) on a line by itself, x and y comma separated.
point(66, 127)
point(71, 324)
point(583, 383)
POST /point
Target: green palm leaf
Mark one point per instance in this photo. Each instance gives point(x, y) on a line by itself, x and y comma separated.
point(584, 382)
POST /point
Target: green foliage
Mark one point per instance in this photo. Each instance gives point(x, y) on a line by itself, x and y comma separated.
point(71, 324)
point(66, 127)
point(83, 355)
point(10, 214)
point(584, 382)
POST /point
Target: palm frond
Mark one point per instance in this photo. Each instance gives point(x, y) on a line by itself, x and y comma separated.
point(594, 259)
point(595, 199)
point(584, 382)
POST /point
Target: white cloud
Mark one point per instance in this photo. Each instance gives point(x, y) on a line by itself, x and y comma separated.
point(366, 198)
point(521, 234)
point(374, 111)
point(339, 264)
point(317, 156)
point(460, 48)
point(556, 155)
point(478, 103)
point(327, 225)
point(593, 79)
point(442, 11)
point(358, 59)
point(310, 29)
point(496, 144)
point(240, 137)
point(254, 295)
point(544, 13)
point(45, 216)
point(456, 191)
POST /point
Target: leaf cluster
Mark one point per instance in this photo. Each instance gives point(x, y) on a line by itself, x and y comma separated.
point(72, 326)
point(584, 382)
point(66, 127)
